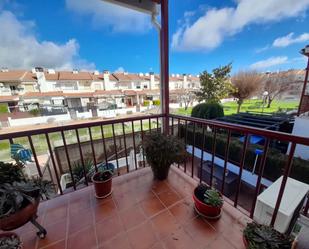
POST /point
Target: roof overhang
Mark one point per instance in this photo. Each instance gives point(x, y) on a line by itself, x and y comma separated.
point(145, 6)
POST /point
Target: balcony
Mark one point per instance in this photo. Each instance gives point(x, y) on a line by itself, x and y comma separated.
point(143, 213)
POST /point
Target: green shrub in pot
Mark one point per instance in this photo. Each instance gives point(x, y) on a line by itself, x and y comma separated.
point(258, 236)
point(161, 151)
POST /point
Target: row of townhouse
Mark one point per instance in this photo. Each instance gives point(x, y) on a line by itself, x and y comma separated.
point(24, 90)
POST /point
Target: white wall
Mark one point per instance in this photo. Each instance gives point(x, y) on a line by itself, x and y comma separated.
point(301, 128)
point(38, 120)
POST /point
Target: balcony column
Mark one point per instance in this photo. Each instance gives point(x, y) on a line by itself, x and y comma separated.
point(300, 108)
point(164, 59)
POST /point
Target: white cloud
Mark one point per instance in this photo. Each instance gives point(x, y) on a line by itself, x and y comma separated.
point(103, 14)
point(289, 39)
point(209, 31)
point(119, 70)
point(270, 62)
point(19, 47)
point(260, 50)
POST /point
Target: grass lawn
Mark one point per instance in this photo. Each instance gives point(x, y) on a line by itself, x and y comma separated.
point(250, 106)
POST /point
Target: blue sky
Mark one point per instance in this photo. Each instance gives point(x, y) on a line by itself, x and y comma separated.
point(64, 34)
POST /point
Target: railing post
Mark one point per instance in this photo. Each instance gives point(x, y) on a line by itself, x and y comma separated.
point(164, 65)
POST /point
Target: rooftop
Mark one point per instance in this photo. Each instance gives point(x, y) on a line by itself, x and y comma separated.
point(141, 213)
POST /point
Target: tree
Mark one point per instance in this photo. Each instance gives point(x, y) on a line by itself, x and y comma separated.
point(186, 97)
point(216, 85)
point(246, 84)
point(277, 84)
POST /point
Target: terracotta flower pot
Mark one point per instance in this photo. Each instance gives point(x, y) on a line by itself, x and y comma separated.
point(10, 234)
point(206, 210)
point(19, 218)
point(102, 188)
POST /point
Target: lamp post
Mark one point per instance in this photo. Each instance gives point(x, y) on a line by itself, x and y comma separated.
point(265, 94)
point(305, 52)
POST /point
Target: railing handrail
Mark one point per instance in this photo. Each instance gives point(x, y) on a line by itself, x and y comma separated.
point(65, 127)
point(247, 129)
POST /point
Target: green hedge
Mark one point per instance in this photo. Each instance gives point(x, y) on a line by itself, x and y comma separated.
point(156, 102)
point(275, 162)
point(3, 108)
point(207, 111)
point(146, 103)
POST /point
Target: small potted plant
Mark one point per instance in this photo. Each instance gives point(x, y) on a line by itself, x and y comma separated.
point(20, 196)
point(257, 236)
point(161, 151)
point(10, 240)
point(102, 180)
point(208, 201)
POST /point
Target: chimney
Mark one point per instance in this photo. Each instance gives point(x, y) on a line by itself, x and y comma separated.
point(96, 72)
point(51, 71)
point(75, 71)
point(106, 80)
point(43, 86)
point(4, 69)
point(152, 80)
point(185, 81)
point(177, 75)
point(141, 74)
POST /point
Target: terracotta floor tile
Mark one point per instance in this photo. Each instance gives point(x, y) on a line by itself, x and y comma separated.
point(201, 232)
point(142, 236)
point(76, 206)
point(220, 243)
point(159, 186)
point(80, 221)
point(55, 232)
point(158, 245)
point(104, 210)
point(183, 211)
point(164, 224)
point(152, 206)
point(83, 239)
point(57, 245)
point(124, 201)
point(109, 228)
point(56, 214)
point(169, 197)
point(29, 240)
point(132, 216)
point(179, 239)
point(119, 242)
point(233, 234)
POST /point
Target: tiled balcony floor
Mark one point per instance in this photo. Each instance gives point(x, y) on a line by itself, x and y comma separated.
point(141, 213)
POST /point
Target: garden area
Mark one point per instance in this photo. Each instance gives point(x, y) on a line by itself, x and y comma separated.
point(251, 106)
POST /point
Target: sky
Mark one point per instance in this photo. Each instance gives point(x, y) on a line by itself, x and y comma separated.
point(88, 35)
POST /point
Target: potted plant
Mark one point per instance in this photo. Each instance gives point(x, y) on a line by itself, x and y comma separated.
point(10, 240)
point(161, 151)
point(102, 180)
point(20, 196)
point(208, 201)
point(257, 236)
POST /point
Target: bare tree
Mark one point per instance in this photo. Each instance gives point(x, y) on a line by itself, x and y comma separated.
point(246, 84)
point(185, 97)
point(276, 84)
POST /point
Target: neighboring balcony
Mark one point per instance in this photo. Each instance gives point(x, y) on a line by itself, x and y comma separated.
point(143, 213)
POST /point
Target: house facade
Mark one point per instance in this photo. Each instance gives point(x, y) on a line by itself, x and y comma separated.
point(78, 90)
